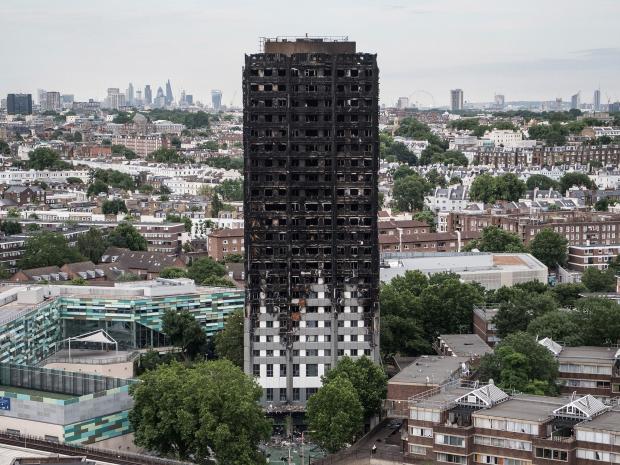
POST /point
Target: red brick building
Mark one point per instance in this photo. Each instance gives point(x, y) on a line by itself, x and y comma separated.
point(222, 242)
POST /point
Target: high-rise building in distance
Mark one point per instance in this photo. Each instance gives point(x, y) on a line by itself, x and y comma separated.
point(597, 100)
point(216, 99)
point(575, 101)
point(311, 142)
point(160, 98)
point(130, 94)
point(41, 97)
point(115, 98)
point(403, 102)
point(169, 96)
point(148, 95)
point(456, 99)
point(52, 101)
point(500, 100)
point(19, 104)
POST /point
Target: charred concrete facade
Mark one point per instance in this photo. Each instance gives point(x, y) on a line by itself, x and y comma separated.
point(311, 237)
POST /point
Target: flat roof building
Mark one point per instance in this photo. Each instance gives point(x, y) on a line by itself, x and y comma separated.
point(491, 270)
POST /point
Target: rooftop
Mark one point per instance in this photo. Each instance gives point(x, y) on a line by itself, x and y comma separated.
point(588, 354)
point(465, 345)
point(525, 407)
point(608, 421)
point(432, 370)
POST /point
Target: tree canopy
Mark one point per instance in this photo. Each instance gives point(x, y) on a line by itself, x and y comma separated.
point(409, 192)
point(113, 207)
point(521, 363)
point(488, 189)
point(47, 248)
point(229, 341)
point(596, 280)
point(164, 155)
point(415, 309)
point(128, 237)
point(368, 380)
point(495, 239)
point(540, 181)
point(184, 332)
point(550, 248)
point(44, 158)
point(92, 244)
point(184, 412)
point(335, 414)
point(573, 179)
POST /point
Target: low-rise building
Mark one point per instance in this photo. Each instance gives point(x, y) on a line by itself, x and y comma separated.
point(23, 195)
point(223, 242)
point(582, 257)
point(491, 270)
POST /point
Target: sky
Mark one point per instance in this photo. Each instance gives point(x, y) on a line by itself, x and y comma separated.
point(526, 50)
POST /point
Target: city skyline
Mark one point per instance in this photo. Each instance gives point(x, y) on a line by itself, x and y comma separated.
point(424, 47)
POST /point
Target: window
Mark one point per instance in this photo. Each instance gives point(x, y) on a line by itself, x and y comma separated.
point(269, 394)
point(312, 369)
point(282, 369)
point(451, 458)
point(310, 392)
point(282, 394)
point(503, 443)
point(256, 369)
point(296, 369)
point(448, 440)
point(551, 454)
point(423, 432)
point(269, 370)
point(295, 393)
point(418, 450)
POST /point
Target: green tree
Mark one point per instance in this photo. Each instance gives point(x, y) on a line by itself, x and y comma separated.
point(10, 227)
point(599, 321)
point(402, 172)
point(114, 178)
point(185, 412)
point(451, 157)
point(573, 179)
point(550, 248)
point(204, 268)
point(72, 180)
point(602, 205)
point(540, 181)
point(45, 158)
point(559, 325)
point(427, 217)
point(226, 163)
point(174, 218)
point(122, 118)
point(230, 190)
point(233, 258)
point(567, 294)
point(216, 205)
point(495, 239)
point(409, 193)
point(165, 156)
point(435, 178)
point(335, 415)
point(184, 332)
point(517, 313)
point(173, 273)
point(521, 363)
point(113, 207)
point(92, 244)
point(97, 187)
point(5, 148)
point(48, 248)
point(596, 280)
point(124, 151)
point(483, 189)
point(368, 379)
point(128, 237)
point(229, 341)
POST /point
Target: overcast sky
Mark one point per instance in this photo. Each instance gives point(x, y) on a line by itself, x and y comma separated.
point(527, 49)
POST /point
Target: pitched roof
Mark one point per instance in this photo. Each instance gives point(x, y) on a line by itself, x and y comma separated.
point(585, 407)
point(551, 345)
point(485, 396)
point(152, 262)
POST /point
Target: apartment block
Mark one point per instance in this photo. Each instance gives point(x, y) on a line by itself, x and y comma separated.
point(222, 242)
point(311, 109)
point(461, 423)
point(142, 144)
point(582, 257)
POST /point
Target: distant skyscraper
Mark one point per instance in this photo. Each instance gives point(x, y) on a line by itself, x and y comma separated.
point(169, 96)
point(456, 99)
point(216, 99)
point(160, 99)
point(403, 102)
point(41, 98)
point(130, 99)
point(575, 101)
point(189, 99)
point(19, 104)
point(115, 99)
point(52, 101)
point(139, 97)
point(148, 95)
point(67, 100)
point(558, 104)
point(182, 100)
point(500, 100)
point(597, 100)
